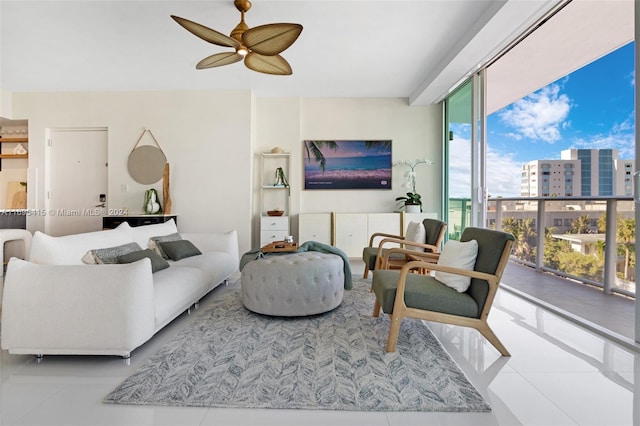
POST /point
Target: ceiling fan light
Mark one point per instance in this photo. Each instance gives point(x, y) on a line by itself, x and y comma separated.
point(243, 51)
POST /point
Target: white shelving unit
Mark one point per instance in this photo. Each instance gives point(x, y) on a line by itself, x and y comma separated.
point(274, 228)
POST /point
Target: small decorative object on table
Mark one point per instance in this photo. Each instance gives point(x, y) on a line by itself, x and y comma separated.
point(275, 212)
point(279, 247)
point(151, 203)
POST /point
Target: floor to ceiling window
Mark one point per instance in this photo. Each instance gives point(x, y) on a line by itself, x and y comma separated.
point(458, 159)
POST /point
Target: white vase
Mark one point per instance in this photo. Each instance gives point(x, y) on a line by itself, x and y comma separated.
point(412, 208)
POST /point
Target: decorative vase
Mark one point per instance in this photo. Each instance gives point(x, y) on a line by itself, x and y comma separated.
point(151, 203)
point(412, 208)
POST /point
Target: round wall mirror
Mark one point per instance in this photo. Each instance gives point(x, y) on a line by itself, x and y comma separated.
point(146, 164)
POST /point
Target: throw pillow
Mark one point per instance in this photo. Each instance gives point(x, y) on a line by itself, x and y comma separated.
point(153, 243)
point(458, 255)
point(110, 254)
point(157, 262)
point(417, 234)
point(180, 249)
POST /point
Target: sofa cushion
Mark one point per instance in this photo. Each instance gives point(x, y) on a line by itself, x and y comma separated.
point(69, 249)
point(179, 249)
point(175, 289)
point(217, 266)
point(157, 262)
point(153, 243)
point(109, 254)
point(142, 234)
point(460, 255)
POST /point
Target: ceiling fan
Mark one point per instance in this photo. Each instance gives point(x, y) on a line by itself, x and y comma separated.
point(260, 47)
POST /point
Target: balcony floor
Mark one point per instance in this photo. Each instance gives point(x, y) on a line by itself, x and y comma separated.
point(613, 315)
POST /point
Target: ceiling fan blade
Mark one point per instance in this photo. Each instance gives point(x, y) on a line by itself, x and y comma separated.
point(274, 64)
point(218, 60)
point(271, 39)
point(206, 33)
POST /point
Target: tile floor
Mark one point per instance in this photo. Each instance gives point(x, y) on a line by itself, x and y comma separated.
point(559, 374)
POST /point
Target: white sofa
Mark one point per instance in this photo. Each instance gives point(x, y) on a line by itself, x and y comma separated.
point(53, 303)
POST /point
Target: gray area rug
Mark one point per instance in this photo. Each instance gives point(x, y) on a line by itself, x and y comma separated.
point(230, 357)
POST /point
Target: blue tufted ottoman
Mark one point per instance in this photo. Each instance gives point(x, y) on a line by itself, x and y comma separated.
point(295, 284)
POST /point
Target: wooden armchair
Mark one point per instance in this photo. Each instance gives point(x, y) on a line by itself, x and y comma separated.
point(401, 294)
point(372, 254)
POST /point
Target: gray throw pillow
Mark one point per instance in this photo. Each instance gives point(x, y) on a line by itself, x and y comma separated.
point(110, 254)
point(157, 262)
point(177, 250)
point(153, 243)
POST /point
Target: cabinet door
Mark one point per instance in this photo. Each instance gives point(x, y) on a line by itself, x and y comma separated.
point(388, 223)
point(274, 223)
point(314, 227)
point(351, 233)
point(270, 236)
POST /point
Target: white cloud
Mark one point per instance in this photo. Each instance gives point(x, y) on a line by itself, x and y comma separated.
point(620, 137)
point(501, 181)
point(539, 116)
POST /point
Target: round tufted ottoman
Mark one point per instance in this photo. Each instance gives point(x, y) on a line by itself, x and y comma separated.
point(295, 284)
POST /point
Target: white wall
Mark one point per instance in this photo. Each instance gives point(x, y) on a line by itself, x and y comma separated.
point(206, 136)
point(415, 132)
point(212, 140)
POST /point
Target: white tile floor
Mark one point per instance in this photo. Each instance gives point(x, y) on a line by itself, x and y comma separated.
point(559, 374)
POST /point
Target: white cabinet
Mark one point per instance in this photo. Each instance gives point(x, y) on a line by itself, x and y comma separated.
point(314, 227)
point(354, 229)
point(351, 233)
point(273, 228)
point(274, 196)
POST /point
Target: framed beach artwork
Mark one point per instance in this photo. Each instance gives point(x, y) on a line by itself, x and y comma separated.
point(347, 164)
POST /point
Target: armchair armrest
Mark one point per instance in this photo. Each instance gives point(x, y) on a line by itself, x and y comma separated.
point(410, 254)
point(382, 234)
point(433, 266)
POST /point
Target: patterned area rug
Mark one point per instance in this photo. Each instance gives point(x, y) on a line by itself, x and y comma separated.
point(230, 357)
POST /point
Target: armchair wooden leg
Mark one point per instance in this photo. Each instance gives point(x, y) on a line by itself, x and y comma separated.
point(376, 309)
point(394, 331)
point(486, 331)
point(366, 271)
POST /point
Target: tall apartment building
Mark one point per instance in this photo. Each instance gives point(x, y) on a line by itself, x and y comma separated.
point(551, 178)
point(579, 172)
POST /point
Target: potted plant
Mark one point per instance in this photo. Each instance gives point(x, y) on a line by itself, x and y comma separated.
point(281, 178)
point(411, 203)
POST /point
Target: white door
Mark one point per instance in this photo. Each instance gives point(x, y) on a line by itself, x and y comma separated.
point(76, 180)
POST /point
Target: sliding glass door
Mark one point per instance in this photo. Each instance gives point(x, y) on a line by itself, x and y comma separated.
point(463, 152)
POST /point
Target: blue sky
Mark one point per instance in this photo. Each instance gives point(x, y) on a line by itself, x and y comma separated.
point(592, 107)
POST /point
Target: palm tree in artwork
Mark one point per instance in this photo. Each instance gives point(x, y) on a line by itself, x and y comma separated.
point(314, 148)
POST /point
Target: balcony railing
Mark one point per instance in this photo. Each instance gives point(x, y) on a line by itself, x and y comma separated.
point(547, 225)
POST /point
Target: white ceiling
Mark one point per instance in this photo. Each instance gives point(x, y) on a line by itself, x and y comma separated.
point(415, 49)
point(575, 36)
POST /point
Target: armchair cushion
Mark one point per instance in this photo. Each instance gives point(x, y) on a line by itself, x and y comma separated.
point(417, 234)
point(460, 255)
point(422, 292)
point(369, 256)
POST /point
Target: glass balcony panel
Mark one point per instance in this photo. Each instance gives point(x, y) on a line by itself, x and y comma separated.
point(575, 239)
